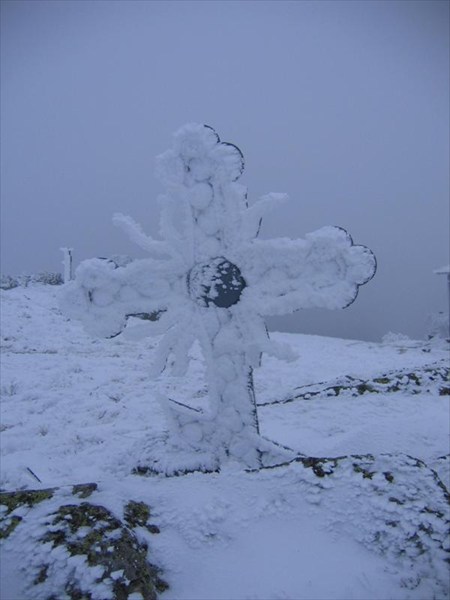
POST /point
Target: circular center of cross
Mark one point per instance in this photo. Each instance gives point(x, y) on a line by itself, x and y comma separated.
point(218, 282)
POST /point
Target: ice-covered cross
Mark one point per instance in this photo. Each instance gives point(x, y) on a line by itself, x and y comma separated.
point(211, 279)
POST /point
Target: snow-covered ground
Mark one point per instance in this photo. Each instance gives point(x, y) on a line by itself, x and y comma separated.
point(77, 409)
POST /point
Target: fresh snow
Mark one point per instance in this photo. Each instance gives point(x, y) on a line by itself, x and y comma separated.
point(77, 409)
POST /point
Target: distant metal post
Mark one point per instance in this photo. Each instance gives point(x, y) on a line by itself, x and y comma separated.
point(446, 271)
point(67, 262)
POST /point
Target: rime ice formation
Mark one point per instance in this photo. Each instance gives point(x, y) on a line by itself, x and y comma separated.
point(212, 280)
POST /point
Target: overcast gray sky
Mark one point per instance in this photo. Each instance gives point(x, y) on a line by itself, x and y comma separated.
point(343, 105)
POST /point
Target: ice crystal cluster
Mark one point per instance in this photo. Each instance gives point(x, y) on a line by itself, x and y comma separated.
point(211, 279)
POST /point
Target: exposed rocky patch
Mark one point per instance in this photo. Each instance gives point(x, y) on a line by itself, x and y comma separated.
point(12, 505)
point(82, 550)
point(419, 381)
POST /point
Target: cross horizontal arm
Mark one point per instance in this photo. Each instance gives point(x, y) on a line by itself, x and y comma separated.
point(102, 295)
point(323, 271)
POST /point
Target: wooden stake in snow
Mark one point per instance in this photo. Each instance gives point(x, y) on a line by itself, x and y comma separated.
point(212, 280)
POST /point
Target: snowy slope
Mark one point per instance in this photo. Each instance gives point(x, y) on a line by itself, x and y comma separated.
point(77, 409)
